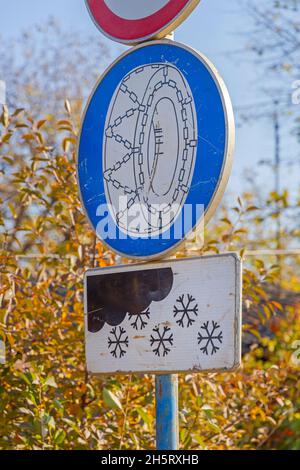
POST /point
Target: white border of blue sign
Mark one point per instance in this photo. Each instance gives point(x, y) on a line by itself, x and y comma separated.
point(216, 137)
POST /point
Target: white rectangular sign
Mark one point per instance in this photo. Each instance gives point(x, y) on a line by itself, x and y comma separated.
point(165, 317)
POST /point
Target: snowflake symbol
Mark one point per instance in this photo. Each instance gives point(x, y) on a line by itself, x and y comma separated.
point(140, 319)
point(211, 336)
point(118, 341)
point(161, 341)
point(186, 309)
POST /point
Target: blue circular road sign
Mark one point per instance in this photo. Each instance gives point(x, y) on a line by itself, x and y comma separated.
point(155, 148)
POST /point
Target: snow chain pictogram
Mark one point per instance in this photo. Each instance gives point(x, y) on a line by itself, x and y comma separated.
point(142, 131)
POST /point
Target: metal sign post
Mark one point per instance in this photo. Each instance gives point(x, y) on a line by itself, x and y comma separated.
point(154, 157)
point(167, 426)
point(166, 395)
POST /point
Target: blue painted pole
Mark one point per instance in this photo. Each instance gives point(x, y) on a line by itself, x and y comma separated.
point(167, 429)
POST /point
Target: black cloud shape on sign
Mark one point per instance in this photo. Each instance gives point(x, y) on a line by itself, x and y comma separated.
point(110, 297)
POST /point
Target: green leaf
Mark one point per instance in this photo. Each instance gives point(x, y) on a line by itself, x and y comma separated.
point(26, 411)
point(111, 400)
point(214, 427)
point(26, 378)
point(145, 416)
point(50, 382)
point(50, 421)
point(59, 436)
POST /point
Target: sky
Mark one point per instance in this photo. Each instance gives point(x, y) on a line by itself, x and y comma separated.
point(217, 29)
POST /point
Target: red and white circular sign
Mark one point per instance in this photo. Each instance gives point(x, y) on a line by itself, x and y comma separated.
point(134, 21)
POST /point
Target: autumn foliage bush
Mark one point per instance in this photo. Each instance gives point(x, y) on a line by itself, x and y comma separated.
point(47, 399)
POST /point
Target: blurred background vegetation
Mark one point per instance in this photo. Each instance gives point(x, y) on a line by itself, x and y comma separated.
point(47, 399)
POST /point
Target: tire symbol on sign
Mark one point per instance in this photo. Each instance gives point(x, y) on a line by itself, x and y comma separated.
point(149, 150)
